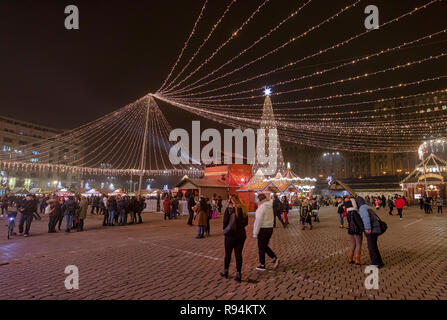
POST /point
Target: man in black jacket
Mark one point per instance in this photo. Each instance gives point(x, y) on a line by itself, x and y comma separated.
point(277, 211)
point(191, 204)
point(69, 208)
point(28, 209)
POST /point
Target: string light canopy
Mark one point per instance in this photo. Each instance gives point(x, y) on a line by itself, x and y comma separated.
point(133, 140)
point(224, 81)
point(305, 114)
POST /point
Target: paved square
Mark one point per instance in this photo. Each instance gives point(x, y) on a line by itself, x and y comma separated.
point(162, 260)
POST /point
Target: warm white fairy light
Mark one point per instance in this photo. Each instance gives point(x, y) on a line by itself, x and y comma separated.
point(291, 64)
point(232, 37)
point(214, 27)
point(352, 62)
point(185, 45)
point(340, 81)
point(287, 43)
point(278, 26)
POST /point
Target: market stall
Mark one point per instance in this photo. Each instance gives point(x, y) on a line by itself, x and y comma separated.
point(428, 178)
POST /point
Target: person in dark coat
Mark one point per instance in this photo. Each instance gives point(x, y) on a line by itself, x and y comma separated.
point(141, 205)
point(69, 208)
point(133, 209)
point(95, 205)
point(277, 211)
point(234, 223)
point(372, 231)
point(390, 205)
point(52, 215)
point(121, 210)
point(191, 204)
point(355, 231)
point(174, 207)
point(111, 210)
point(28, 208)
point(5, 204)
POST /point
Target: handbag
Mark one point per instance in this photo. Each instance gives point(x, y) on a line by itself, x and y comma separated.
point(383, 225)
point(377, 225)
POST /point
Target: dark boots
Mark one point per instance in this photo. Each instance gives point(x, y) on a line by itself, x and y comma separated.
point(224, 274)
point(238, 278)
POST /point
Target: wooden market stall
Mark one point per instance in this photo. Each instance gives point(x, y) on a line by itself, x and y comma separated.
point(429, 177)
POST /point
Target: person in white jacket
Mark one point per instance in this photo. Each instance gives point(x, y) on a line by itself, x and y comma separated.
point(263, 230)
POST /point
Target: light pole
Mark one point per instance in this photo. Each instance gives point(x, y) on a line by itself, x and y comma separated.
point(143, 149)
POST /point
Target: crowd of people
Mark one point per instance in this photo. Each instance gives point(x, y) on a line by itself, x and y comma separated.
point(73, 210)
point(427, 203)
point(362, 220)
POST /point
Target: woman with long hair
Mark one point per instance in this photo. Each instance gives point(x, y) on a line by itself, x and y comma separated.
point(355, 230)
point(234, 223)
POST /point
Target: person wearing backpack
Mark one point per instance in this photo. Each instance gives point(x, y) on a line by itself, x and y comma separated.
point(234, 222)
point(372, 228)
point(69, 209)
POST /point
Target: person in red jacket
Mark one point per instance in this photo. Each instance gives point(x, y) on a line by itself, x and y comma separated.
point(167, 207)
point(400, 204)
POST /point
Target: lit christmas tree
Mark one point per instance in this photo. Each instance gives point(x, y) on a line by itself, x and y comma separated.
point(268, 123)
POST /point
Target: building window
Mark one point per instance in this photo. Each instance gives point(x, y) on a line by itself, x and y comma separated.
point(34, 160)
point(6, 148)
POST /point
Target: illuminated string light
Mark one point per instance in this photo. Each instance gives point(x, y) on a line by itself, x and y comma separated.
point(270, 52)
point(214, 27)
point(185, 45)
point(338, 45)
point(321, 72)
point(312, 87)
point(233, 36)
point(292, 15)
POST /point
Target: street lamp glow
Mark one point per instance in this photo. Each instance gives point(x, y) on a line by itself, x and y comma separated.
point(267, 91)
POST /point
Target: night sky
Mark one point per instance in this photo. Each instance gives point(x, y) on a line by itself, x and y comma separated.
point(125, 49)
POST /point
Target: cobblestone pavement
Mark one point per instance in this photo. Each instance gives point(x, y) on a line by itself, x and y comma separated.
point(162, 260)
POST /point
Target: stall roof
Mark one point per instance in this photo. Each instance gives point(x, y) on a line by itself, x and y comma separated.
point(200, 183)
point(432, 167)
point(20, 191)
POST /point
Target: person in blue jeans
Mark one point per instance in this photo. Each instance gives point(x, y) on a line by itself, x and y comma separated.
point(111, 207)
point(372, 231)
point(69, 208)
point(201, 210)
point(341, 212)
